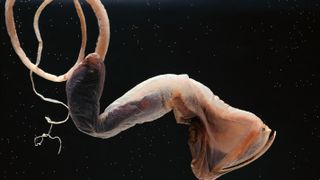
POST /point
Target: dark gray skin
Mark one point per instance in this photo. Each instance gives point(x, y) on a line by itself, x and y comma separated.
point(84, 89)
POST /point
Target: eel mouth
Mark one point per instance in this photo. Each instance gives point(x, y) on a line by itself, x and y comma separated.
point(253, 157)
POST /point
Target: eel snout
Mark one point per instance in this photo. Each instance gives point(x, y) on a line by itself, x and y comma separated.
point(259, 146)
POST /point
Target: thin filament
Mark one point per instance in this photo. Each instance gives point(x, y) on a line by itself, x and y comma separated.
point(101, 46)
point(40, 47)
point(104, 27)
point(11, 28)
point(47, 135)
point(83, 30)
point(38, 60)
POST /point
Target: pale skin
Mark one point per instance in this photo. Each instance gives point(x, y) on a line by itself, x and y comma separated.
point(221, 138)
